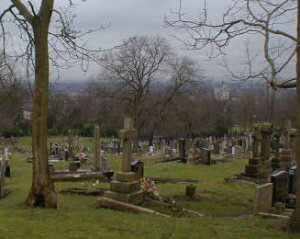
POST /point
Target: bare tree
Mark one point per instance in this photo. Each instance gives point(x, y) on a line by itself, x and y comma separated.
point(136, 65)
point(261, 18)
point(33, 22)
point(184, 77)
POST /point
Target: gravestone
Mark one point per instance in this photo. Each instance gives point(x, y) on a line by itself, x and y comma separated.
point(66, 154)
point(125, 187)
point(292, 180)
point(97, 150)
point(259, 166)
point(2, 178)
point(70, 142)
point(193, 155)
point(7, 172)
point(205, 156)
point(137, 167)
point(275, 145)
point(263, 198)
point(182, 150)
point(280, 186)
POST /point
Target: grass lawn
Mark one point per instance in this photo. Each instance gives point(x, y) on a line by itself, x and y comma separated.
point(226, 206)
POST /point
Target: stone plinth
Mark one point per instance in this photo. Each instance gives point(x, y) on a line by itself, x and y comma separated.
point(263, 198)
point(125, 188)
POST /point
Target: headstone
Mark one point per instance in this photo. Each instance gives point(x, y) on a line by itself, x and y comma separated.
point(263, 198)
point(6, 161)
point(151, 149)
point(70, 144)
point(97, 150)
point(137, 167)
point(66, 154)
point(280, 186)
point(2, 178)
point(275, 144)
point(182, 150)
point(292, 180)
point(205, 155)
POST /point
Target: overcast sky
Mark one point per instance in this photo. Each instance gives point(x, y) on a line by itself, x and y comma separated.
point(127, 18)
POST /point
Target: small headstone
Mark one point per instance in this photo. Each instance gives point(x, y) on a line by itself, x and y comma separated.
point(263, 198)
point(292, 180)
point(280, 182)
point(137, 166)
point(7, 170)
point(182, 151)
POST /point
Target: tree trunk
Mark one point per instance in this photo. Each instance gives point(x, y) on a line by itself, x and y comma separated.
point(42, 193)
point(295, 219)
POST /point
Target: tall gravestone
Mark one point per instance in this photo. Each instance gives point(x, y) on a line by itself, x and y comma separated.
point(126, 187)
point(70, 141)
point(287, 153)
point(276, 149)
point(259, 167)
point(182, 150)
point(97, 156)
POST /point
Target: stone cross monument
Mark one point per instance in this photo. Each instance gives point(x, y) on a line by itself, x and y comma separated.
point(128, 135)
point(125, 187)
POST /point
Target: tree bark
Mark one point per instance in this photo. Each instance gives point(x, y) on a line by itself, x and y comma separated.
point(295, 219)
point(42, 193)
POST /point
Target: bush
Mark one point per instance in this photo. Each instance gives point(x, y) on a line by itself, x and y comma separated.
point(12, 132)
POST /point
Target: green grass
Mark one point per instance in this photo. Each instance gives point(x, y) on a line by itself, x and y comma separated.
point(77, 216)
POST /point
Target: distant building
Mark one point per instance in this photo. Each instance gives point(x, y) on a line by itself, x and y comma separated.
point(222, 93)
point(27, 115)
point(27, 111)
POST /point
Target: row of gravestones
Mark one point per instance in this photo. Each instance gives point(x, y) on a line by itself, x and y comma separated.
point(277, 178)
point(278, 194)
point(201, 150)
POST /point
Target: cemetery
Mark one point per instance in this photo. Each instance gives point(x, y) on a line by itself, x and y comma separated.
point(126, 192)
point(145, 119)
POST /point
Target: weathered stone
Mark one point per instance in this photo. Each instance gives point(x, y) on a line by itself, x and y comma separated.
point(128, 135)
point(124, 187)
point(134, 198)
point(125, 176)
point(263, 198)
point(292, 180)
point(137, 167)
point(280, 182)
point(259, 166)
point(182, 150)
point(97, 150)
